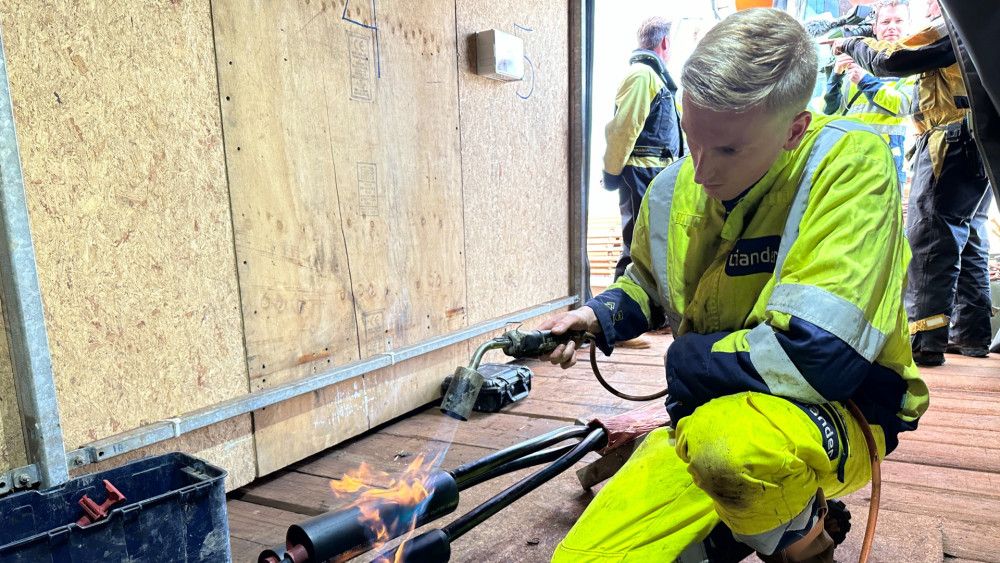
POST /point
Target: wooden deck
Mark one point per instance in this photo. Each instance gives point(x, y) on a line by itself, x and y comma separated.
point(940, 493)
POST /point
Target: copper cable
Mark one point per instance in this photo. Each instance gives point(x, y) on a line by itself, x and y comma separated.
point(873, 504)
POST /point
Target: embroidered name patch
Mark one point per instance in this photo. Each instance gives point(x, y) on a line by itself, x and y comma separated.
point(753, 256)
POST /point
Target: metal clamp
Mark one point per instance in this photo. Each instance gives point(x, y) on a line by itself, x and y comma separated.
point(19, 478)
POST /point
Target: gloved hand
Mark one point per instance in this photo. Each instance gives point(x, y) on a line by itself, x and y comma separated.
point(612, 182)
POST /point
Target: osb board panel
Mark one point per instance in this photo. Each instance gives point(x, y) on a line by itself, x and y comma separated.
point(11, 439)
point(333, 414)
point(228, 444)
point(347, 203)
point(515, 160)
point(120, 136)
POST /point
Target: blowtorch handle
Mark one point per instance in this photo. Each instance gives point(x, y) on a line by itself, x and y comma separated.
point(534, 343)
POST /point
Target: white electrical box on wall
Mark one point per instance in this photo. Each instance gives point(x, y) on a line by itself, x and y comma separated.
point(499, 55)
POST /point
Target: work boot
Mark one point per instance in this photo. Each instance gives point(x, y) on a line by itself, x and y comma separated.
point(971, 351)
point(838, 521)
point(928, 359)
point(821, 540)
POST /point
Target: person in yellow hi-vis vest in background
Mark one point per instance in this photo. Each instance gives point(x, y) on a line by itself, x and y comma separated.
point(777, 254)
point(948, 298)
point(883, 103)
point(644, 135)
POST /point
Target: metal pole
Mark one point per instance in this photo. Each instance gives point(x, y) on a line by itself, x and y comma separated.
point(580, 65)
point(22, 302)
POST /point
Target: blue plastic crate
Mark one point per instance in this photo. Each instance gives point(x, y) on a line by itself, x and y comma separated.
point(174, 510)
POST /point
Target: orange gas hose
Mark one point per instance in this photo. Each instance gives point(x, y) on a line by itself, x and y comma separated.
point(866, 544)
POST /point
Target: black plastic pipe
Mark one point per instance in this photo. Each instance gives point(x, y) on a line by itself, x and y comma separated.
point(469, 472)
point(344, 532)
point(530, 460)
point(594, 440)
point(432, 546)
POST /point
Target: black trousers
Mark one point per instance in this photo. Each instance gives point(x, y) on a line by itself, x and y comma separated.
point(949, 273)
point(635, 180)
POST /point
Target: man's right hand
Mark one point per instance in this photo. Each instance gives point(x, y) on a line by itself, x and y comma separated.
point(579, 319)
point(842, 63)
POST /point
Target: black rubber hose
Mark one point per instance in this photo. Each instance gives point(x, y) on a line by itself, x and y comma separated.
point(476, 516)
point(530, 460)
point(470, 471)
point(612, 390)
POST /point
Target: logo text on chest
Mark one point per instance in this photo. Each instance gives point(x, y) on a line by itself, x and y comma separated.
point(753, 256)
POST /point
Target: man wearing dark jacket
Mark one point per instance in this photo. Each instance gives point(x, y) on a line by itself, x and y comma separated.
point(644, 135)
point(949, 186)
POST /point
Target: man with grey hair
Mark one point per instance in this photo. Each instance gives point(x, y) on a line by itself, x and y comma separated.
point(644, 136)
point(777, 254)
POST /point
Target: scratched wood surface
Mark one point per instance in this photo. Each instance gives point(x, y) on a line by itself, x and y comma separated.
point(117, 114)
point(514, 150)
point(347, 205)
point(939, 494)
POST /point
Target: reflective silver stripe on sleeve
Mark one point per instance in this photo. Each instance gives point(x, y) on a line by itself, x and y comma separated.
point(768, 357)
point(659, 198)
point(888, 129)
point(828, 136)
point(776, 368)
point(831, 313)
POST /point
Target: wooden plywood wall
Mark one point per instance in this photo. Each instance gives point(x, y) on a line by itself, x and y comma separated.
point(118, 123)
point(230, 196)
point(343, 156)
point(514, 160)
point(11, 438)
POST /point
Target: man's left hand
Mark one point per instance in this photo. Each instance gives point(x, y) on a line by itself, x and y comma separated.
point(856, 73)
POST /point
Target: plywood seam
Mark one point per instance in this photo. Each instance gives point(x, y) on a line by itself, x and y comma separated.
point(461, 162)
point(229, 193)
point(343, 232)
point(347, 254)
point(232, 221)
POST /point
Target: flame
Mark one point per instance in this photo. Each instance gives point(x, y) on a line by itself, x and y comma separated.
point(409, 489)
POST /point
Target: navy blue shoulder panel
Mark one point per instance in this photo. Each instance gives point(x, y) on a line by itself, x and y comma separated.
point(696, 375)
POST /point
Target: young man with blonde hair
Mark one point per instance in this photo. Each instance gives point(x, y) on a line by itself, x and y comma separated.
point(776, 252)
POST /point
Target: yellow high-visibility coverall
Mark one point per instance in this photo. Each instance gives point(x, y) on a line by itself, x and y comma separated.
point(784, 304)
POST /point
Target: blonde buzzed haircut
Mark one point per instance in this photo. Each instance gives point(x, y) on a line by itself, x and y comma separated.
point(652, 31)
point(761, 57)
point(890, 3)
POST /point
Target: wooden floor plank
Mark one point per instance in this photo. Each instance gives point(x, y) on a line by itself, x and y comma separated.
point(972, 421)
point(292, 491)
point(931, 477)
point(965, 533)
point(947, 455)
point(569, 411)
point(245, 551)
point(391, 454)
point(263, 525)
point(486, 430)
point(948, 471)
